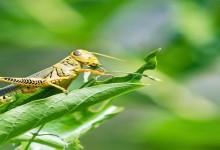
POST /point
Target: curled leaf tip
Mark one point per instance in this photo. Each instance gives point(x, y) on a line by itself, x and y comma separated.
point(150, 62)
point(152, 55)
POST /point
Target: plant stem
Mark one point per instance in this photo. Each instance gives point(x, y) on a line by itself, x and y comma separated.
point(34, 135)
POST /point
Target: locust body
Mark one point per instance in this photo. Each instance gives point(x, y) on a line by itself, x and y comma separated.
point(59, 75)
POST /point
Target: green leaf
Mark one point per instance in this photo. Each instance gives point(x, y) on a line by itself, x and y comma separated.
point(72, 133)
point(23, 118)
point(93, 122)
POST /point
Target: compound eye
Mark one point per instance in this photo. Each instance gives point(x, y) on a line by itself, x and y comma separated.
point(77, 53)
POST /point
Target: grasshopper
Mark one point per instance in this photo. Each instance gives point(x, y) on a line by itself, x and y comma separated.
point(59, 75)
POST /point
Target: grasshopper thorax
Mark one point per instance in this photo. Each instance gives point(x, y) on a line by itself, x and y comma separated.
point(85, 57)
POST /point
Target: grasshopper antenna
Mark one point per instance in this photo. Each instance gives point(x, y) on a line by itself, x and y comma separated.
point(109, 57)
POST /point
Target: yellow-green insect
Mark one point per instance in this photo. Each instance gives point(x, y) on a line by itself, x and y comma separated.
point(59, 75)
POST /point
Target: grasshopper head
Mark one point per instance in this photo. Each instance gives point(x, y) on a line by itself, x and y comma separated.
point(85, 57)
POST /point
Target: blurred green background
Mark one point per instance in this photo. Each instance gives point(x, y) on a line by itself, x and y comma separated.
point(179, 113)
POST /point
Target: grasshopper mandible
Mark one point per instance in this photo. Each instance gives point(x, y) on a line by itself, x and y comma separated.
point(59, 75)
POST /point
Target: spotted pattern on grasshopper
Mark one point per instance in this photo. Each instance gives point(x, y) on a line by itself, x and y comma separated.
point(63, 72)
